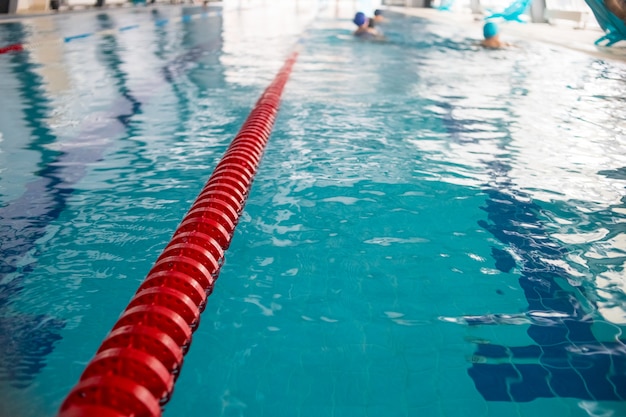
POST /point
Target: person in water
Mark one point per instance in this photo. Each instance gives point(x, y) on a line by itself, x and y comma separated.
point(363, 29)
point(378, 18)
point(492, 37)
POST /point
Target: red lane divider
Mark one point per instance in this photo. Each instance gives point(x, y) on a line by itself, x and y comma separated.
point(16, 47)
point(134, 370)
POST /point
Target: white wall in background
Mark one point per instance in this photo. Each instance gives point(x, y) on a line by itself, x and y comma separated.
point(368, 6)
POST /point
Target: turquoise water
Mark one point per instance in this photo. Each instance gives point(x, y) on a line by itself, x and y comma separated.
point(434, 230)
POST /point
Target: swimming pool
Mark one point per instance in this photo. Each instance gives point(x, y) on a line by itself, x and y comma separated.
point(434, 229)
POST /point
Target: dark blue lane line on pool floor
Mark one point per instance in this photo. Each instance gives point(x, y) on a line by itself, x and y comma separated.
point(109, 51)
point(567, 360)
point(570, 361)
point(185, 18)
point(45, 197)
point(25, 340)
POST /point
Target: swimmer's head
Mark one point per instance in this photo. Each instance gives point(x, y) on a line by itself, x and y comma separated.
point(378, 12)
point(490, 30)
point(359, 19)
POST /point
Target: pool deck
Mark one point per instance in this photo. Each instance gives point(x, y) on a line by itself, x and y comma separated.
point(27, 14)
point(563, 33)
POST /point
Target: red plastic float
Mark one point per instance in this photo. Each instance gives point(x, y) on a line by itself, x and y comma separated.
point(16, 47)
point(188, 266)
point(190, 250)
point(226, 197)
point(200, 239)
point(227, 188)
point(161, 318)
point(133, 371)
point(139, 366)
point(106, 394)
point(147, 339)
point(215, 203)
point(208, 226)
point(218, 216)
point(179, 281)
point(172, 299)
point(229, 175)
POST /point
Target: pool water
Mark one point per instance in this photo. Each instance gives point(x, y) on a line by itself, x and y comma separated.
point(434, 230)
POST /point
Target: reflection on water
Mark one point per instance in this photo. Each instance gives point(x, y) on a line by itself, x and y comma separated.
point(561, 325)
point(418, 179)
point(534, 137)
point(147, 98)
point(63, 162)
point(25, 339)
point(530, 158)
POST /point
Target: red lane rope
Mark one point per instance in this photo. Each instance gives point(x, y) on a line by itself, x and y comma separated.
point(16, 47)
point(134, 370)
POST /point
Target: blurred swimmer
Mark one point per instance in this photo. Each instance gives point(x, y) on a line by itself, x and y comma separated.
point(492, 37)
point(378, 16)
point(363, 29)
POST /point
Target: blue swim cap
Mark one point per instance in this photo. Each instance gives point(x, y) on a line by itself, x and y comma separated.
point(378, 12)
point(359, 19)
point(490, 30)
